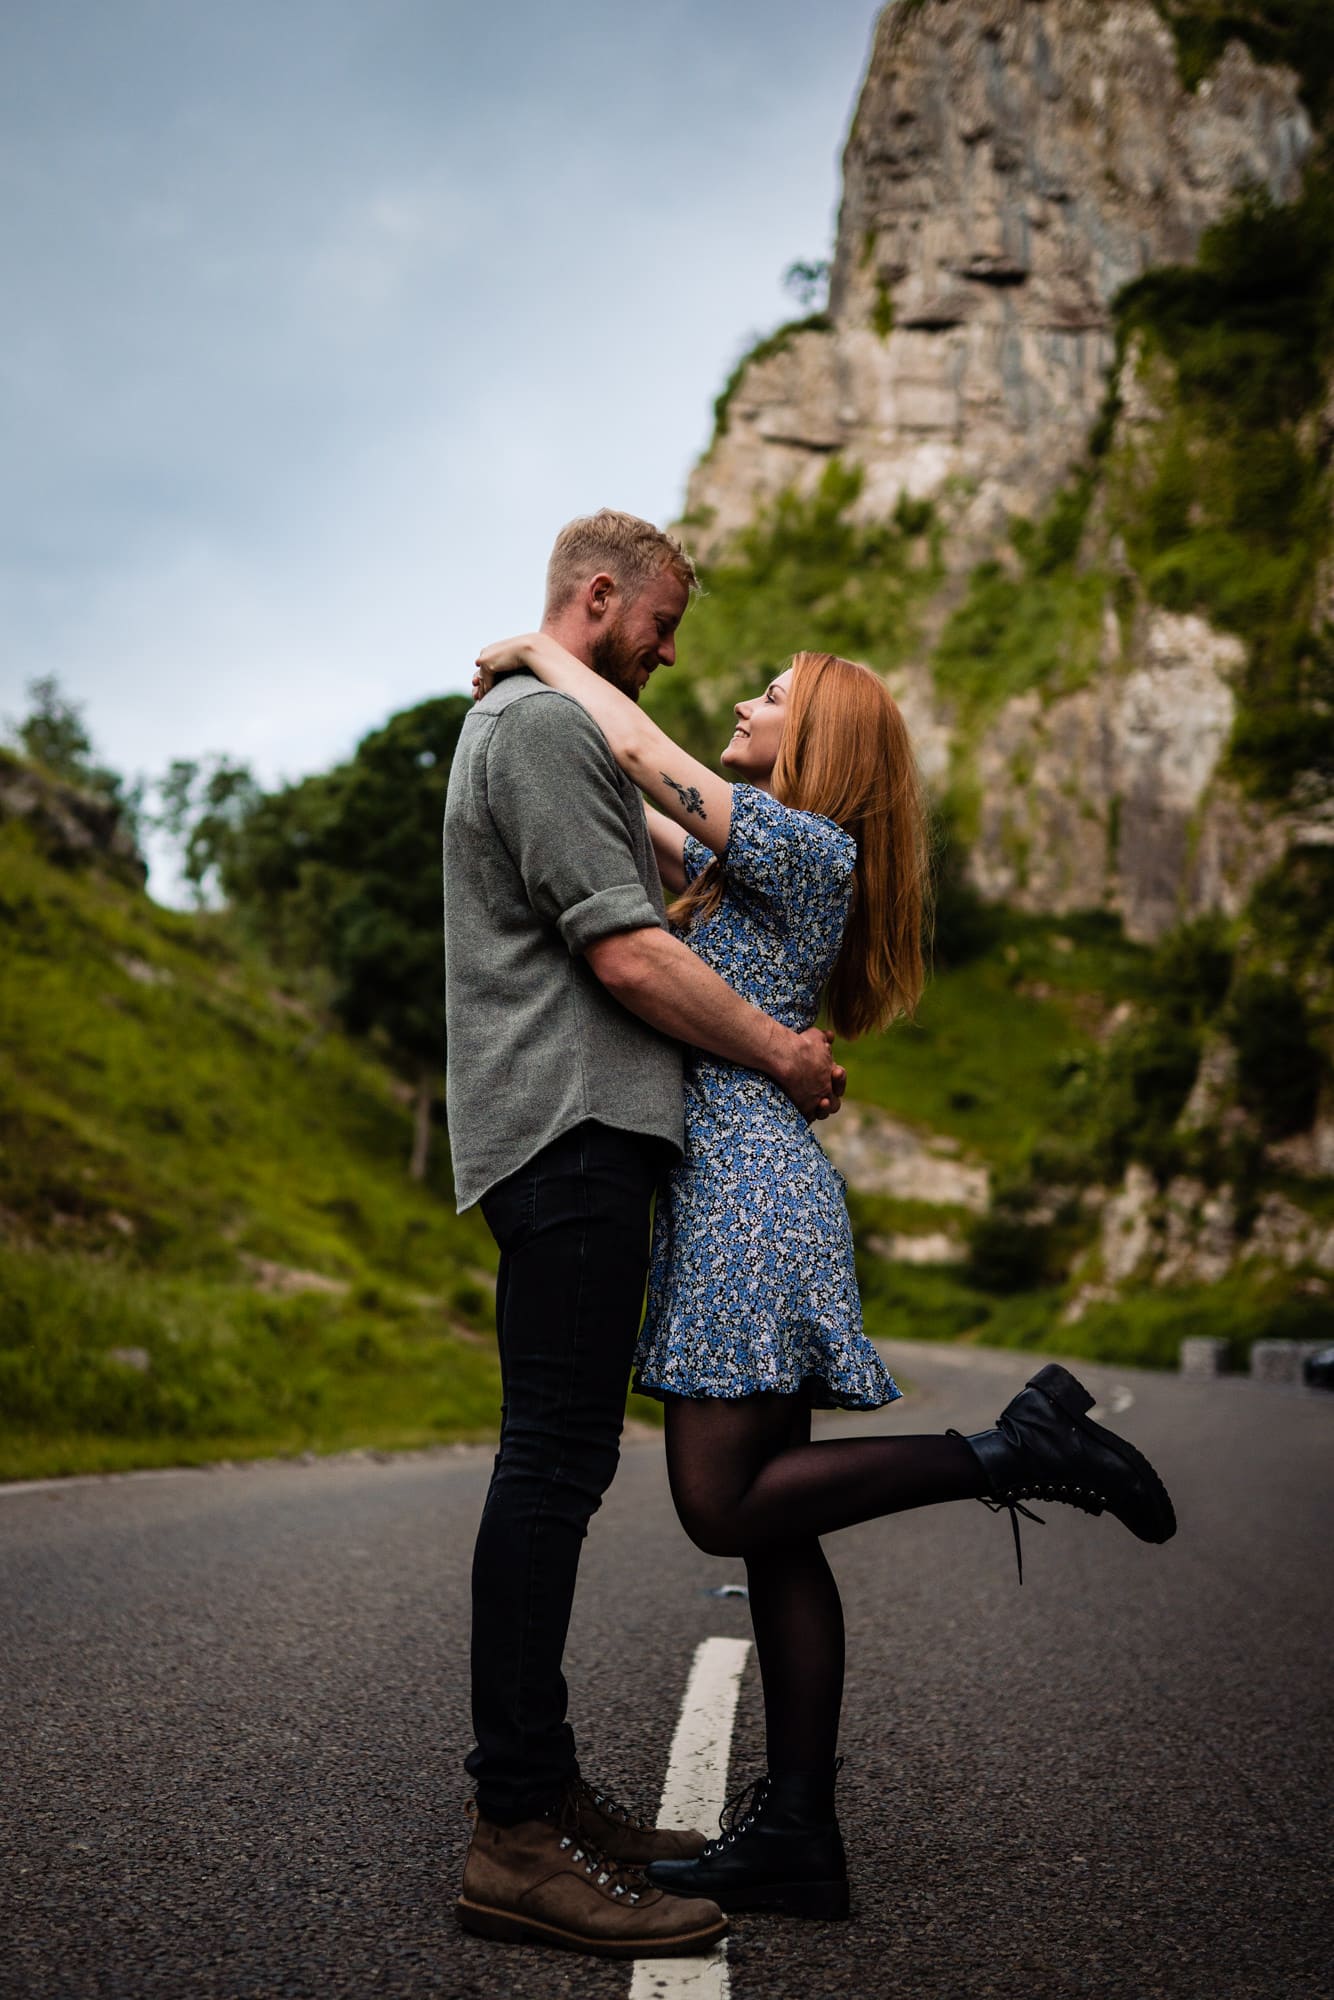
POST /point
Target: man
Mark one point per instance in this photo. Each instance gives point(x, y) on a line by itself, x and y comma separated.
point(566, 1002)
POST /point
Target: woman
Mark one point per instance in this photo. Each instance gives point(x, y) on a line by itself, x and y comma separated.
point(801, 881)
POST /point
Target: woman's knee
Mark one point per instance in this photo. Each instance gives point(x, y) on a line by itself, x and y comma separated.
point(711, 1529)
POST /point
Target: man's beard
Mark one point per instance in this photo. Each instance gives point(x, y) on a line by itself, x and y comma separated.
point(609, 657)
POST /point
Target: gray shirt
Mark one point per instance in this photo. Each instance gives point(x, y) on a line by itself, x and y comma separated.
point(546, 850)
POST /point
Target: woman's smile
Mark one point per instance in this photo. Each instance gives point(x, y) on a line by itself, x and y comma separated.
point(753, 745)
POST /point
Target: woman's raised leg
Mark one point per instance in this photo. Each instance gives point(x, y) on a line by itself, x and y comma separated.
point(742, 1485)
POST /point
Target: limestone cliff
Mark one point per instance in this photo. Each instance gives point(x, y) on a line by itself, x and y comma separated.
point(1012, 164)
point(1059, 460)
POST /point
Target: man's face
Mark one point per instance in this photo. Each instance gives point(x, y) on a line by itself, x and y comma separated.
point(639, 636)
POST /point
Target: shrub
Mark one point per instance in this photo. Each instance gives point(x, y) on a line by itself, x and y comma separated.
point(803, 574)
point(1007, 1253)
point(1278, 1065)
point(1234, 517)
point(1041, 628)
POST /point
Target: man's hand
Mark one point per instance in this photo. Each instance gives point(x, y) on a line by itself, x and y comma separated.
point(810, 1076)
point(840, 1080)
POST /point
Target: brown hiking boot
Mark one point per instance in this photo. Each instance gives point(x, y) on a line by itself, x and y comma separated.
point(612, 1830)
point(536, 1883)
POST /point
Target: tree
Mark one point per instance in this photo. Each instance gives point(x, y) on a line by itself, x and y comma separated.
point(54, 735)
point(53, 732)
point(343, 869)
point(203, 805)
point(807, 282)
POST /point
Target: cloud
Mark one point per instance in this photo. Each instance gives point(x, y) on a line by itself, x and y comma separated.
point(324, 318)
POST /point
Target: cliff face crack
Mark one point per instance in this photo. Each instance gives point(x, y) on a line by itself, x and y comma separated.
point(822, 447)
point(993, 271)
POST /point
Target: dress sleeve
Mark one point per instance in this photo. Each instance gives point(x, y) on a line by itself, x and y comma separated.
point(796, 861)
point(695, 857)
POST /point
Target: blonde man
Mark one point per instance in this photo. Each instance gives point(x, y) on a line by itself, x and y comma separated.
point(567, 1000)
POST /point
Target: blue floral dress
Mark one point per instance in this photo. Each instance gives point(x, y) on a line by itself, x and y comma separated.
point(752, 1285)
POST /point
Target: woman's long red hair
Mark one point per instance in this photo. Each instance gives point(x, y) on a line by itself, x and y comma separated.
point(845, 754)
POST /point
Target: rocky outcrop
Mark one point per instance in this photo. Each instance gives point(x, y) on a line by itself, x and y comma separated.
point(878, 1154)
point(71, 825)
point(1109, 797)
point(1190, 1234)
point(1012, 164)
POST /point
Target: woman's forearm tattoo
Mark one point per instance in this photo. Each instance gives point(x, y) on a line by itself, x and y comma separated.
point(688, 795)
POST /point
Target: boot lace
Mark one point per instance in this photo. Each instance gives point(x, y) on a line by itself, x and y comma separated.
point(604, 1803)
point(1087, 1498)
point(618, 1879)
point(741, 1811)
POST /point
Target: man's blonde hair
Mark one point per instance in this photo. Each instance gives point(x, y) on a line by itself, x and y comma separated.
point(628, 549)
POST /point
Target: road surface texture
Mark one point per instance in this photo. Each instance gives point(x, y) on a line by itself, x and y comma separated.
point(233, 1705)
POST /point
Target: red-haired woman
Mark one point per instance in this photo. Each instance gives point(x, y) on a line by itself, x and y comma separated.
point(800, 878)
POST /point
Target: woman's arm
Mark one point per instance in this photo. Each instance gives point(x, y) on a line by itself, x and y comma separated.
point(669, 843)
point(695, 797)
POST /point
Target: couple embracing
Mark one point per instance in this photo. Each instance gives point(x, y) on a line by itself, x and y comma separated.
point(604, 1050)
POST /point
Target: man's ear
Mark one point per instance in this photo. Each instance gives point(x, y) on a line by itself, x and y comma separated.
point(598, 594)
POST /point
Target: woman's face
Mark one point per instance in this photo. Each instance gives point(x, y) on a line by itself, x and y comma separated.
point(759, 730)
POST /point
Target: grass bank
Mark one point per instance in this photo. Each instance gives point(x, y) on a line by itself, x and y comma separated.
point(209, 1243)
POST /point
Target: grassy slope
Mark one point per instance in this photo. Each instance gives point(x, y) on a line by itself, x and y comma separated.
point(1007, 1057)
point(165, 1115)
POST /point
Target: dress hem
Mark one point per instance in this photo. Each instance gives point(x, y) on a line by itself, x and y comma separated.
point(819, 1393)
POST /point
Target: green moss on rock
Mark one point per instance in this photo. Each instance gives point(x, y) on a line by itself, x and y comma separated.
point(777, 342)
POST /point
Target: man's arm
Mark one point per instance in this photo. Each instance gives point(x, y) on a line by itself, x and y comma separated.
point(660, 979)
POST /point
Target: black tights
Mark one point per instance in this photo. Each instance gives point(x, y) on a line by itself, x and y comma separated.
point(748, 1481)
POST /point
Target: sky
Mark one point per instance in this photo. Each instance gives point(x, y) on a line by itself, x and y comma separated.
point(323, 315)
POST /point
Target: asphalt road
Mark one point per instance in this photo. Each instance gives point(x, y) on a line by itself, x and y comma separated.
point(233, 1705)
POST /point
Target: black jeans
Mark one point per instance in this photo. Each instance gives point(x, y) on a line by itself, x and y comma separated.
point(573, 1231)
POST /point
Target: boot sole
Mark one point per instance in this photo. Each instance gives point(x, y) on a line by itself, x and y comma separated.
point(824, 1901)
point(503, 1927)
point(1070, 1395)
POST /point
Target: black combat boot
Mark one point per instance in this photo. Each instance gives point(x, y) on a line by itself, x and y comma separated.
point(779, 1850)
point(1045, 1448)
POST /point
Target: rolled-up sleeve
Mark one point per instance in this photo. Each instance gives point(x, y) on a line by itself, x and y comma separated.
point(553, 792)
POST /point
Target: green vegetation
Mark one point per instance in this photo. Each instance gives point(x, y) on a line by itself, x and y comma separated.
point(1004, 1043)
point(777, 342)
point(184, 1144)
point(1035, 622)
point(802, 575)
point(1011, 1057)
point(808, 280)
point(1144, 1074)
point(882, 313)
point(1227, 511)
point(104, 1366)
point(1144, 1329)
point(342, 871)
point(1292, 32)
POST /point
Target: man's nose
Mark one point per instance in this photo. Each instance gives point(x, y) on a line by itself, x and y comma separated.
point(667, 652)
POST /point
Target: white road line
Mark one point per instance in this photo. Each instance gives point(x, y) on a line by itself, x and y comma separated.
point(693, 1795)
point(1119, 1399)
